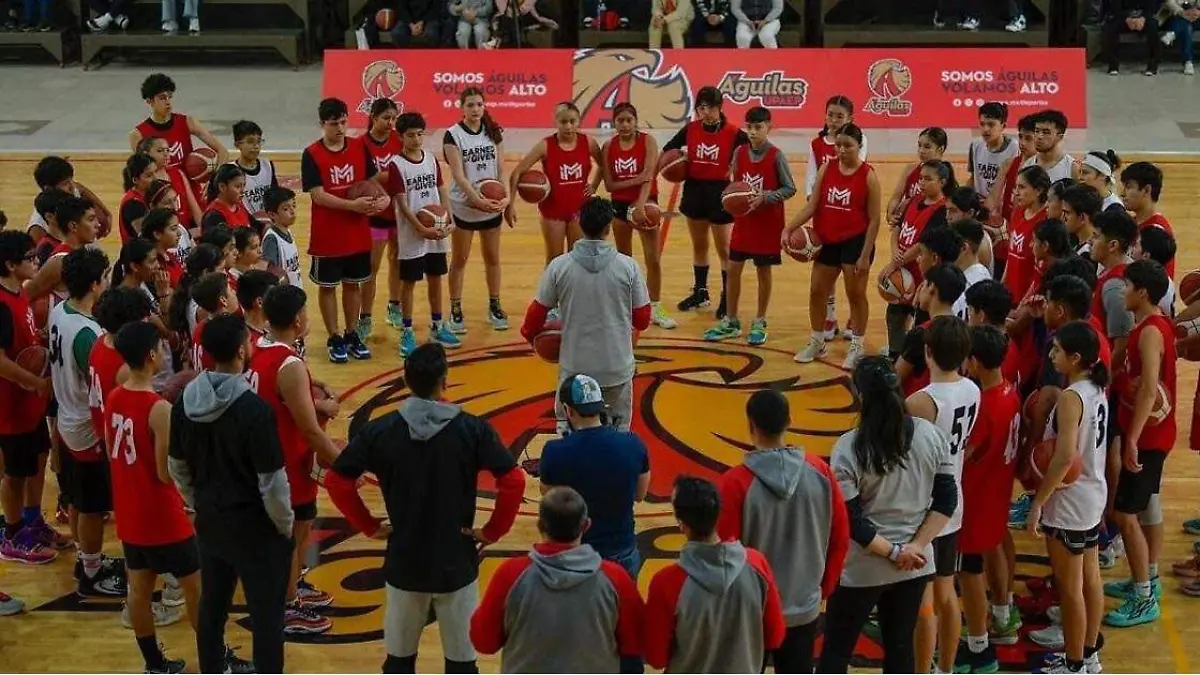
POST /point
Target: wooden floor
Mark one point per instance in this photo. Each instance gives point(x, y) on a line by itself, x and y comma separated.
point(690, 400)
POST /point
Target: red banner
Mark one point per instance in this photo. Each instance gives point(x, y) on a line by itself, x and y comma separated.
point(897, 88)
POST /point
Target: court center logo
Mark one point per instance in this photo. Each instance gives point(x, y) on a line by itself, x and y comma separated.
point(604, 78)
point(381, 79)
point(889, 80)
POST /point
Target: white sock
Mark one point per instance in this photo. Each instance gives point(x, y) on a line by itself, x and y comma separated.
point(1000, 613)
point(819, 336)
point(91, 564)
point(977, 643)
point(1010, 600)
point(1143, 588)
point(1153, 571)
point(831, 308)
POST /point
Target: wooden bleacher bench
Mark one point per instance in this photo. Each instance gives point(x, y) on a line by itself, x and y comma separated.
point(540, 39)
point(789, 36)
point(1095, 43)
point(62, 45)
point(841, 35)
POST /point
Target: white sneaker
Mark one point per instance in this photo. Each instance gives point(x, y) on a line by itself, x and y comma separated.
point(193, 26)
point(854, 353)
point(813, 350)
point(1189, 68)
point(170, 28)
point(1050, 637)
point(660, 318)
point(172, 594)
point(163, 615)
point(1091, 665)
point(1056, 663)
point(100, 23)
point(1016, 25)
point(1167, 38)
point(970, 23)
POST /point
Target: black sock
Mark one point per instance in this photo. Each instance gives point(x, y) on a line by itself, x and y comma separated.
point(456, 306)
point(1074, 666)
point(364, 315)
point(400, 664)
point(11, 529)
point(452, 667)
point(724, 278)
point(151, 654)
point(700, 272)
point(393, 303)
point(1088, 651)
point(494, 302)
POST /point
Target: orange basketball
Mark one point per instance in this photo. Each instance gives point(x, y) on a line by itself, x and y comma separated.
point(319, 394)
point(899, 287)
point(547, 343)
point(490, 188)
point(1189, 285)
point(1162, 402)
point(803, 244)
point(176, 383)
point(34, 359)
point(652, 220)
point(385, 19)
point(365, 188)
point(533, 186)
point(672, 166)
point(434, 216)
point(736, 196)
point(1043, 452)
point(200, 164)
point(1189, 349)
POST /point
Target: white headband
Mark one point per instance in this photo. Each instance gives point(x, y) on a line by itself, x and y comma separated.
point(1098, 164)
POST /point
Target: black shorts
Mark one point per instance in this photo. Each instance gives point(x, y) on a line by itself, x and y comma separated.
point(621, 208)
point(428, 265)
point(971, 563)
point(306, 511)
point(842, 253)
point(90, 485)
point(24, 453)
point(345, 269)
point(760, 259)
point(52, 408)
point(1113, 427)
point(1076, 541)
point(381, 223)
point(181, 559)
point(945, 554)
point(701, 200)
point(1134, 489)
point(479, 225)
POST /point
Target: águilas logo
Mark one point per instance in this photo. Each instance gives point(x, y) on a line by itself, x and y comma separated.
point(889, 80)
point(772, 90)
point(604, 78)
point(381, 79)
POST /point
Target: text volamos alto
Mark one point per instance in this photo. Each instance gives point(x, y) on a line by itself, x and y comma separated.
point(977, 82)
point(492, 84)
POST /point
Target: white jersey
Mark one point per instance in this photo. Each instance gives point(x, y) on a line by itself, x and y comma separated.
point(974, 274)
point(421, 181)
point(957, 406)
point(1167, 304)
point(279, 249)
point(258, 181)
point(1080, 505)
point(185, 245)
point(984, 164)
point(1062, 169)
point(72, 334)
point(480, 160)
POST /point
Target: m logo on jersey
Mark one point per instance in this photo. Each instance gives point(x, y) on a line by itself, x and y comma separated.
point(754, 180)
point(626, 167)
point(838, 197)
point(908, 233)
point(382, 162)
point(707, 152)
point(341, 175)
point(571, 172)
point(175, 152)
point(1017, 243)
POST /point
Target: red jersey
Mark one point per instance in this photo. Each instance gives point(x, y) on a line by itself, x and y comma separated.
point(127, 230)
point(23, 409)
point(336, 232)
point(916, 218)
point(1098, 313)
point(234, 216)
point(1160, 221)
point(104, 363)
point(568, 172)
point(758, 232)
point(841, 213)
point(709, 153)
point(383, 154)
point(1105, 346)
point(170, 264)
point(988, 473)
point(1008, 198)
point(148, 511)
point(1018, 272)
point(626, 165)
point(175, 132)
point(1160, 436)
point(917, 381)
point(46, 247)
point(263, 374)
point(823, 152)
point(912, 183)
point(200, 359)
point(179, 183)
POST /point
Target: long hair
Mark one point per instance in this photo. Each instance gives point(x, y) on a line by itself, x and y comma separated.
point(135, 166)
point(969, 202)
point(491, 127)
point(840, 101)
point(134, 252)
point(885, 429)
point(945, 173)
point(1078, 337)
point(222, 176)
point(157, 189)
point(202, 260)
point(378, 107)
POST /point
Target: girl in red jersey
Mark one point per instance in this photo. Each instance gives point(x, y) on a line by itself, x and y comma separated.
point(225, 199)
point(566, 158)
point(138, 175)
point(1000, 200)
point(1030, 193)
point(936, 180)
point(186, 202)
point(845, 208)
point(630, 158)
point(384, 144)
point(931, 144)
point(161, 228)
point(709, 142)
point(248, 245)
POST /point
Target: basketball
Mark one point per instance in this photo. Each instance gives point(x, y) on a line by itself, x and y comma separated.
point(41, 311)
point(176, 383)
point(1189, 285)
point(803, 244)
point(1189, 349)
point(672, 166)
point(433, 215)
point(385, 19)
point(319, 394)
point(104, 219)
point(1043, 452)
point(533, 186)
point(547, 343)
point(899, 287)
point(736, 196)
point(200, 164)
point(490, 188)
point(1162, 402)
point(34, 359)
point(652, 220)
point(365, 188)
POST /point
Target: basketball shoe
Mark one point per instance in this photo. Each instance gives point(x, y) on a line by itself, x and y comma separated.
point(301, 620)
point(10, 605)
point(26, 547)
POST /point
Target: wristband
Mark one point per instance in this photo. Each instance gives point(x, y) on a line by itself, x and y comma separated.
point(895, 554)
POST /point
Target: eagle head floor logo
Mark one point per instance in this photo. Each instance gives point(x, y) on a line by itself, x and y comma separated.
point(889, 80)
point(381, 79)
point(604, 78)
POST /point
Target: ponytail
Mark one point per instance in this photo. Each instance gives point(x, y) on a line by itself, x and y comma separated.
point(885, 429)
point(1080, 338)
point(1098, 374)
point(134, 252)
point(203, 259)
point(222, 176)
point(945, 173)
point(145, 145)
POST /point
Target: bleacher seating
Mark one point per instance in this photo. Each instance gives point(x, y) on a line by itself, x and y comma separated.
point(62, 44)
point(538, 37)
point(838, 34)
point(790, 35)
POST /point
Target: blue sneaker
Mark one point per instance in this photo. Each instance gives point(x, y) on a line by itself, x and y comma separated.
point(442, 335)
point(408, 342)
point(1018, 513)
point(1124, 588)
point(1135, 612)
point(355, 346)
point(337, 349)
point(394, 317)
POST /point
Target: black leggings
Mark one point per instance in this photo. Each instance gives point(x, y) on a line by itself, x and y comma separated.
point(795, 655)
point(847, 611)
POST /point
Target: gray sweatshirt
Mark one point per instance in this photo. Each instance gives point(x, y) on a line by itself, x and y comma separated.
point(756, 10)
point(482, 8)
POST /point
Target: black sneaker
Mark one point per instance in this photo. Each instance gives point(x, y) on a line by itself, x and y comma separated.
point(698, 298)
point(168, 665)
point(114, 565)
point(967, 661)
point(337, 349)
point(721, 308)
point(106, 584)
point(235, 665)
point(355, 346)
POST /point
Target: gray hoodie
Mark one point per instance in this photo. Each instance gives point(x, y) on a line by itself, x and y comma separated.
point(427, 418)
point(596, 290)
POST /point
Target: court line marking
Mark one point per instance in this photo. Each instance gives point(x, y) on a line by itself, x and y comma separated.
point(1174, 638)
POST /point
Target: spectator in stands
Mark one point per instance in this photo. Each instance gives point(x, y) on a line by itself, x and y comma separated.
point(713, 15)
point(427, 19)
point(191, 12)
point(109, 14)
point(474, 18)
point(37, 16)
point(524, 13)
point(757, 19)
point(673, 15)
point(1184, 21)
point(608, 14)
point(1131, 16)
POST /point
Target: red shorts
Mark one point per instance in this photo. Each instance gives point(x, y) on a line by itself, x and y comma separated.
point(562, 205)
point(299, 471)
point(985, 522)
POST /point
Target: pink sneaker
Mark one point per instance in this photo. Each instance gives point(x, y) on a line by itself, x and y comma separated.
point(26, 548)
point(52, 538)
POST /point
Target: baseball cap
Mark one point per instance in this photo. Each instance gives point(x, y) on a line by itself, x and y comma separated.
point(582, 393)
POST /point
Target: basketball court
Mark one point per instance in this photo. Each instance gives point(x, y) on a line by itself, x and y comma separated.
point(689, 395)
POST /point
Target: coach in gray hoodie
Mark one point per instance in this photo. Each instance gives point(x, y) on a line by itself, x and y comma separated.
point(602, 298)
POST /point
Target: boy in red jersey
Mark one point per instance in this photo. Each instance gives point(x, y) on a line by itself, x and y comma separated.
point(213, 295)
point(177, 129)
point(1143, 183)
point(340, 241)
point(1149, 373)
point(942, 287)
point(988, 304)
point(155, 531)
point(756, 235)
point(56, 173)
point(251, 290)
point(988, 471)
point(115, 307)
point(80, 226)
point(1000, 200)
point(279, 376)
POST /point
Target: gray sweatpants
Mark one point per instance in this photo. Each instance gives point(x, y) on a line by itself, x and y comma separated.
point(407, 613)
point(618, 398)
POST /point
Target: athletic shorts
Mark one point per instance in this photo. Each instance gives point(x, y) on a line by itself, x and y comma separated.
point(971, 563)
point(479, 225)
point(945, 554)
point(1076, 541)
point(701, 200)
point(1134, 489)
point(406, 613)
point(428, 265)
point(378, 223)
point(984, 526)
point(759, 259)
point(1114, 427)
point(90, 485)
point(621, 208)
point(305, 512)
point(843, 253)
point(345, 269)
point(24, 453)
point(180, 559)
point(379, 234)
